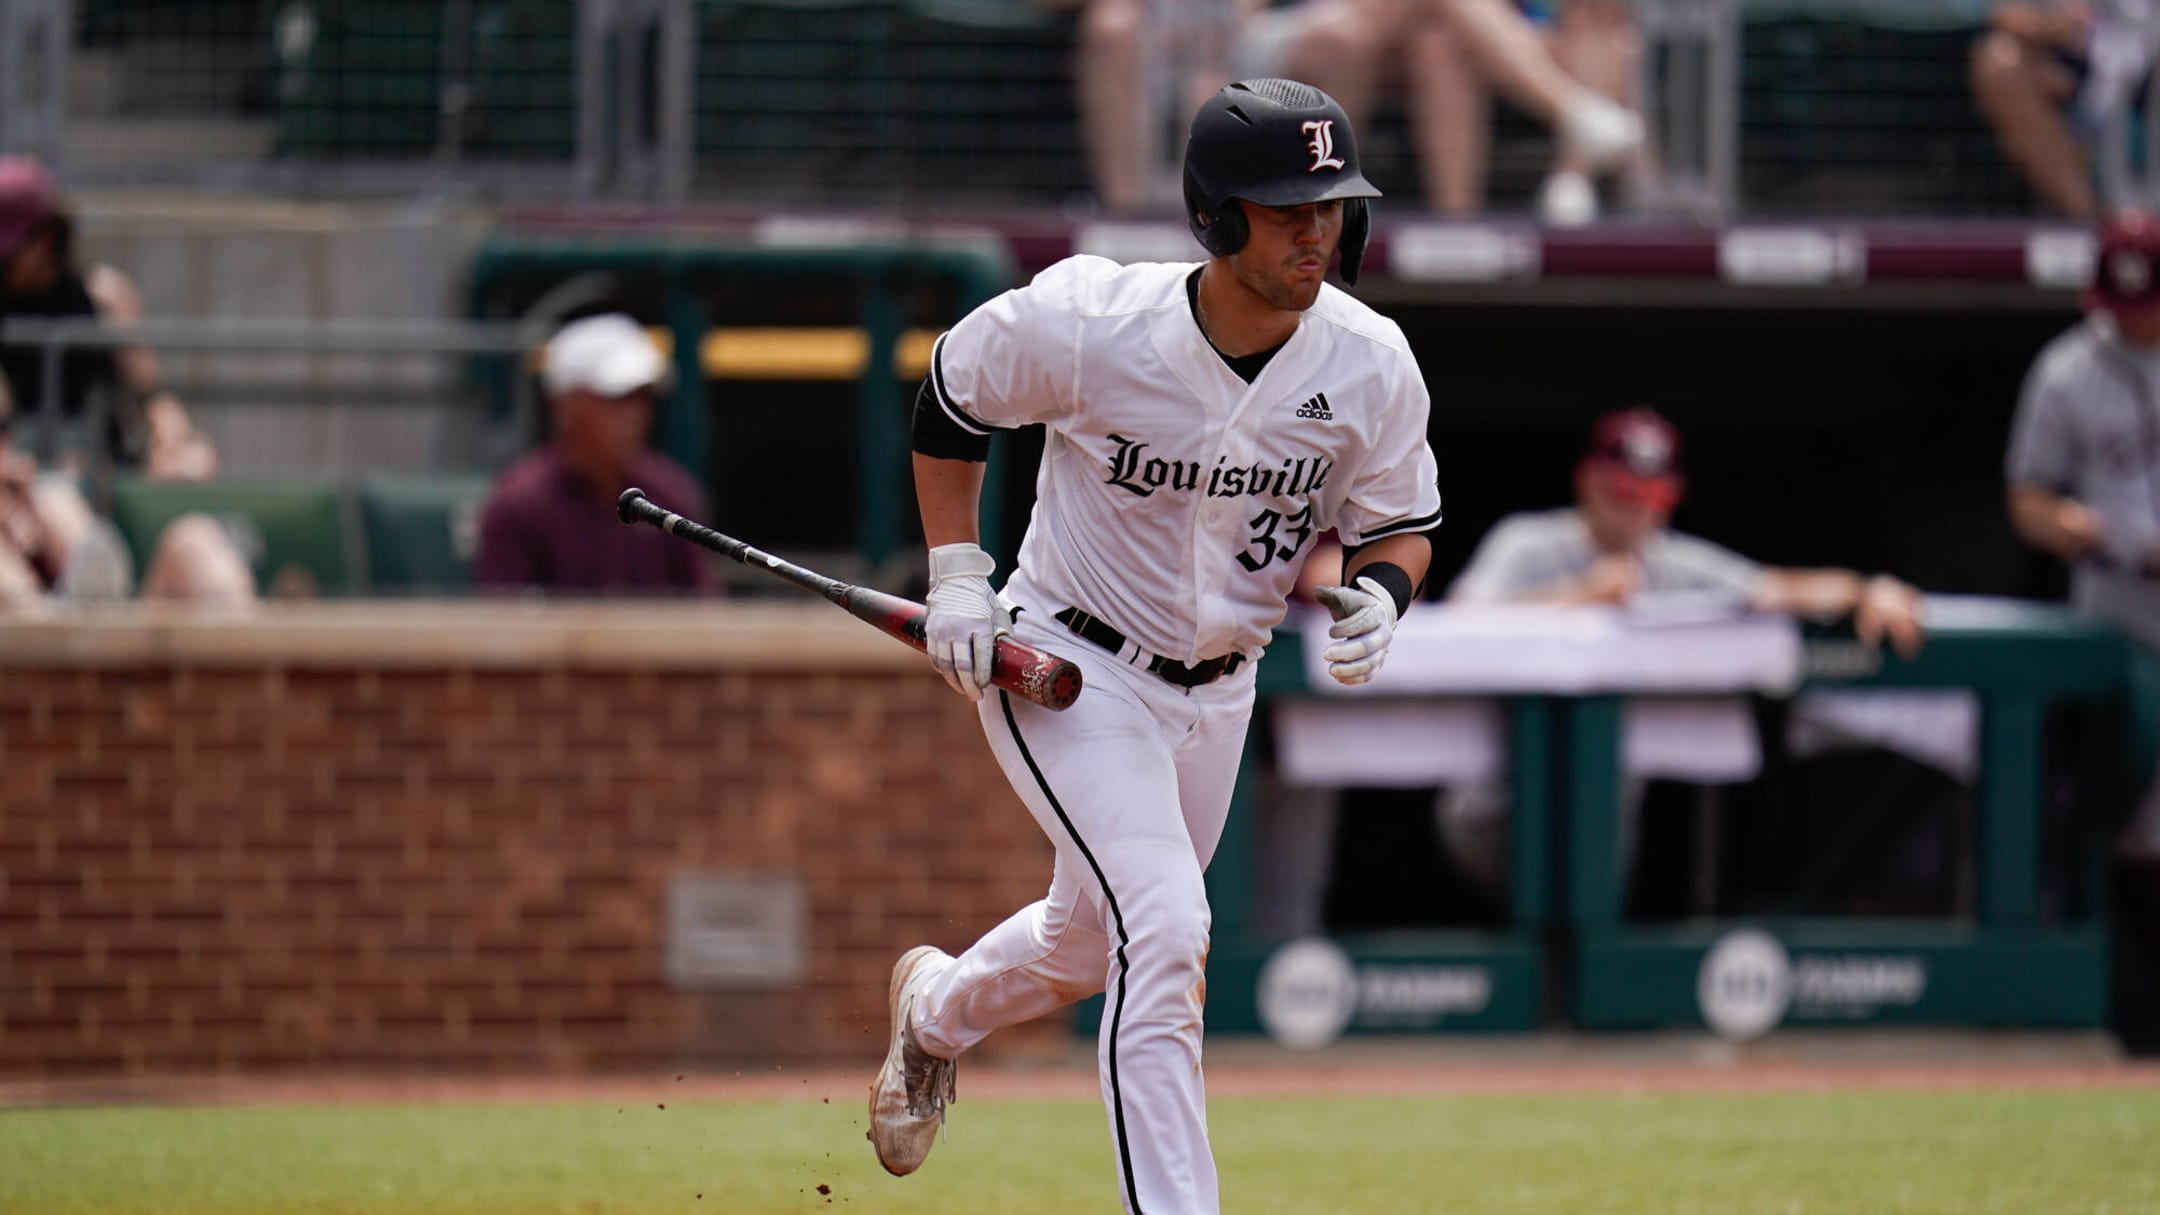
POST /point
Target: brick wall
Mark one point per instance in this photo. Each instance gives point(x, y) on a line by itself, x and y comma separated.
point(250, 849)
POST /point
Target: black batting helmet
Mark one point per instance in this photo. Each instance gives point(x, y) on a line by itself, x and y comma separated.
point(1280, 144)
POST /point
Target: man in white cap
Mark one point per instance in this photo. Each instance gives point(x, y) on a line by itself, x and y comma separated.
point(550, 521)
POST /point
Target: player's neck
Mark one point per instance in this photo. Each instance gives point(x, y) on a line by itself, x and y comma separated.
point(1234, 317)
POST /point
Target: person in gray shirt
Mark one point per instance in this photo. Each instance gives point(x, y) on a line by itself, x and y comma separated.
point(2084, 461)
point(1613, 547)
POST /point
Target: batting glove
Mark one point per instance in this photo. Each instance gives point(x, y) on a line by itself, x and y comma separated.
point(1364, 625)
point(965, 618)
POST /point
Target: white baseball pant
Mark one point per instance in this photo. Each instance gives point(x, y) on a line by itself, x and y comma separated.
point(1132, 784)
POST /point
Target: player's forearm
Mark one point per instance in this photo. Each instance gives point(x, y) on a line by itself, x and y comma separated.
point(1411, 553)
point(2037, 514)
point(1824, 593)
point(2032, 518)
point(2019, 18)
point(949, 495)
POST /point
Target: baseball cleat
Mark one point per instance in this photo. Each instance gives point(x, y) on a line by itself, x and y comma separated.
point(908, 1100)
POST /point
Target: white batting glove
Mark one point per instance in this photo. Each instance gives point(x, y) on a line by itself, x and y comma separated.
point(1364, 625)
point(966, 617)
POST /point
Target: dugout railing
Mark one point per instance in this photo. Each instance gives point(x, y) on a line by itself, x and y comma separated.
point(2010, 955)
point(2025, 944)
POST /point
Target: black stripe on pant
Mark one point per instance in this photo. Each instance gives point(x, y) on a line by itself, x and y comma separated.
point(1117, 1011)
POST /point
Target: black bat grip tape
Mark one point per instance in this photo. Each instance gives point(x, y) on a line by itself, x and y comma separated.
point(633, 506)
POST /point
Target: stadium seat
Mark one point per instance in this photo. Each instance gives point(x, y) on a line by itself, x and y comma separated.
point(422, 531)
point(368, 81)
point(293, 535)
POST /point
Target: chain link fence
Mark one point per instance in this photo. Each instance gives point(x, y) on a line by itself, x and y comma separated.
point(351, 97)
point(1812, 106)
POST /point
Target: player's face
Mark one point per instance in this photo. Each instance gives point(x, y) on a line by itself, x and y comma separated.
point(1623, 511)
point(1286, 257)
point(604, 428)
point(2139, 326)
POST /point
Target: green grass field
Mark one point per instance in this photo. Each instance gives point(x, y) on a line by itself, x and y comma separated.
point(2015, 1153)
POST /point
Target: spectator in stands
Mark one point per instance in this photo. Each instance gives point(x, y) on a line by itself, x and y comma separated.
point(1130, 50)
point(1578, 79)
point(550, 521)
point(30, 557)
point(76, 554)
point(2048, 75)
point(53, 550)
point(2084, 457)
point(39, 278)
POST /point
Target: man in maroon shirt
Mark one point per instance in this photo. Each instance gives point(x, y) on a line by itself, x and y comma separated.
point(550, 521)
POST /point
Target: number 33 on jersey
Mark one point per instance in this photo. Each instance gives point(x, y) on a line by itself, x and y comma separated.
point(1174, 497)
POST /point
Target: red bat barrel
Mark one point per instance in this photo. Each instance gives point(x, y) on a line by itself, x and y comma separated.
point(1026, 672)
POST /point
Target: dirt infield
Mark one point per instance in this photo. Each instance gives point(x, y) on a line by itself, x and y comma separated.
point(1830, 1062)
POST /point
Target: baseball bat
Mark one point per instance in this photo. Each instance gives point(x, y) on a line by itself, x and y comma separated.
point(1023, 670)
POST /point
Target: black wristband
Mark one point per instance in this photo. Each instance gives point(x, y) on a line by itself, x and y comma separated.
point(1393, 578)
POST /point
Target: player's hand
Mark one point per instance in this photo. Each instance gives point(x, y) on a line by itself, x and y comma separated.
point(2078, 532)
point(177, 451)
point(1364, 625)
point(965, 617)
point(1613, 578)
point(1888, 608)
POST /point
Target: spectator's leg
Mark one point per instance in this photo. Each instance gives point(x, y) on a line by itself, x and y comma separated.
point(1114, 100)
point(1595, 43)
point(2021, 90)
point(1515, 58)
point(1450, 117)
point(21, 590)
point(1337, 50)
point(66, 513)
point(94, 561)
point(196, 562)
point(1208, 48)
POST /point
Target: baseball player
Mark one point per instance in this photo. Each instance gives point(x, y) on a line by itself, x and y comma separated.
point(2083, 468)
point(1205, 423)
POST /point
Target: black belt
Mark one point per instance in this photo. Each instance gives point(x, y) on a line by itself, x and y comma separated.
point(1094, 630)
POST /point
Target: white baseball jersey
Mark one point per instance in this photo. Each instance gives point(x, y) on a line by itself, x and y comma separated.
point(1175, 500)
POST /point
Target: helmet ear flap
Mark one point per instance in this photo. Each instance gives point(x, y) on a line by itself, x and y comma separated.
point(1230, 228)
point(1220, 227)
point(1356, 231)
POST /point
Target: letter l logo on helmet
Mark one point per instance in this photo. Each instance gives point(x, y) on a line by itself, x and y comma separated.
point(1322, 144)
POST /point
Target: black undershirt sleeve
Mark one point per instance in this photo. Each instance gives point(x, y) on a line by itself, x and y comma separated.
point(936, 435)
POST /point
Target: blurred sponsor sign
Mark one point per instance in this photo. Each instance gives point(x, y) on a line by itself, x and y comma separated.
point(1311, 992)
point(1791, 257)
point(733, 930)
point(1748, 984)
point(1461, 253)
point(2059, 258)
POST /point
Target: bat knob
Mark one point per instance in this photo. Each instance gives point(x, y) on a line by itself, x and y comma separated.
point(626, 507)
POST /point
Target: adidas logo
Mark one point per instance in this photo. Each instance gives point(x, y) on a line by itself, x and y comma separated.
point(1317, 407)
